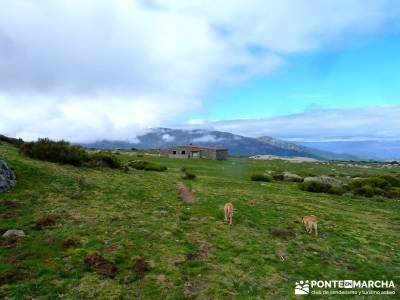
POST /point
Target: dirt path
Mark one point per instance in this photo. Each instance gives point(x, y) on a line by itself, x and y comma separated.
point(186, 194)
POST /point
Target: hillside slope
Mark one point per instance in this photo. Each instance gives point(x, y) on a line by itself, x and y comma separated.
point(190, 251)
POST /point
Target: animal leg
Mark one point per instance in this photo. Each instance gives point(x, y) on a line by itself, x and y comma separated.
point(316, 229)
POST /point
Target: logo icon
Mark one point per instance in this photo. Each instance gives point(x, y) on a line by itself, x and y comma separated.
point(302, 287)
point(348, 284)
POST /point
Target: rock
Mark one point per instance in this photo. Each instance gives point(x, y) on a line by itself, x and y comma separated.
point(287, 176)
point(14, 232)
point(7, 177)
point(325, 180)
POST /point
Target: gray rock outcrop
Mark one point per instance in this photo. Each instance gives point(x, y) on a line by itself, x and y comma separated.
point(287, 176)
point(7, 177)
point(325, 180)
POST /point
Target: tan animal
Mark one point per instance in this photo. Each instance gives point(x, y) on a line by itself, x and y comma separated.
point(228, 209)
point(310, 223)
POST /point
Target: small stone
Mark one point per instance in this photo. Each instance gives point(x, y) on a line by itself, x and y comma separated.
point(14, 232)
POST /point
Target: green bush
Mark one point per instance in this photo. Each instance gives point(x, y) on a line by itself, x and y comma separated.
point(319, 187)
point(393, 180)
point(260, 177)
point(12, 141)
point(103, 159)
point(374, 181)
point(189, 175)
point(393, 193)
point(59, 152)
point(155, 167)
point(379, 185)
point(367, 191)
point(147, 166)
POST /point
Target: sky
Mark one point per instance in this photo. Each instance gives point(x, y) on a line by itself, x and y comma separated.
point(300, 70)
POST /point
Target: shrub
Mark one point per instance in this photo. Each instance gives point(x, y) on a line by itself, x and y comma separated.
point(137, 164)
point(189, 175)
point(379, 185)
point(155, 167)
point(12, 141)
point(260, 177)
point(103, 159)
point(59, 152)
point(319, 187)
point(393, 193)
point(367, 191)
point(393, 180)
point(372, 181)
point(147, 166)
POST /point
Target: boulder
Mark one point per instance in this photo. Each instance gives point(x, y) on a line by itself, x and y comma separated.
point(7, 177)
point(14, 232)
point(325, 180)
point(287, 176)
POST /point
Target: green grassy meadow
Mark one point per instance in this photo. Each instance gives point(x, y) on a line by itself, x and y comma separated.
point(192, 253)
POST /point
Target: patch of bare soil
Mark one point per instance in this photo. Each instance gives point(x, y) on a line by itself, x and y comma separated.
point(282, 232)
point(16, 275)
point(51, 239)
point(9, 242)
point(190, 288)
point(7, 215)
point(69, 243)
point(48, 221)
point(12, 258)
point(141, 267)
point(186, 194)
point(9, 204)
point(164, 282)
point(100, 265)
point(3, 279)
point(201, 252)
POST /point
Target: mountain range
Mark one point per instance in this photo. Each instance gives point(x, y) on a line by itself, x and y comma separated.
point(366, 149)
point(238, 145)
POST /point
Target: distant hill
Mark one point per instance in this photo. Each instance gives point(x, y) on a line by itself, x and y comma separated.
point(379, 150)
point(237, 145)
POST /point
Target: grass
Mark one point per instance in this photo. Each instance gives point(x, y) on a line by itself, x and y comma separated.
point(125, 216)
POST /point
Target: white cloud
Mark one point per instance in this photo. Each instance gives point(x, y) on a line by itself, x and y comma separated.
point(205, 139)
point(84, 70)
point(168, 138)
point(366, 123)
point(196, 121)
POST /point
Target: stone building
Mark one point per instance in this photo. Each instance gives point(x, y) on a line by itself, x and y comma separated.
point(194, 151)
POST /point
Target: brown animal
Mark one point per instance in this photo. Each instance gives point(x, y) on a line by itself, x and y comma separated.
point(228, 209)
point(310, 223)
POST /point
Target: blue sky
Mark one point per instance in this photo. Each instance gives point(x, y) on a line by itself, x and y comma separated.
point(292, 69)
point(366, 73)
